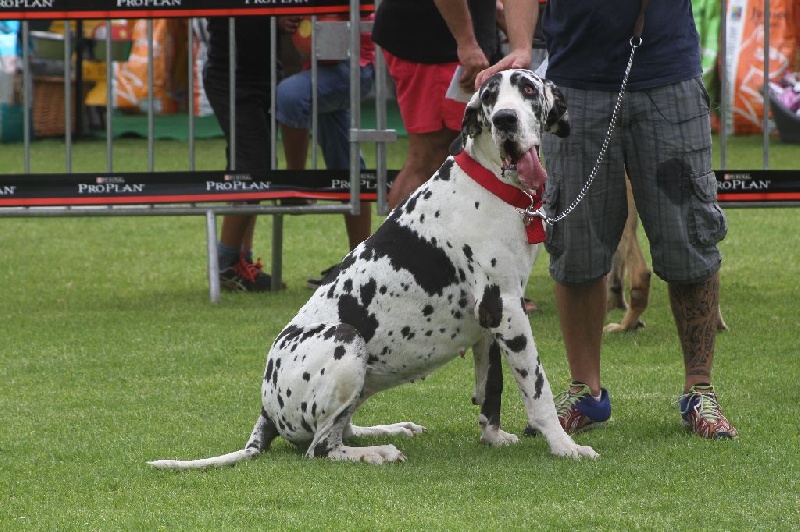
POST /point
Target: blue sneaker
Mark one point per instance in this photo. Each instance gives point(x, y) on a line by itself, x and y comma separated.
point(578, 411)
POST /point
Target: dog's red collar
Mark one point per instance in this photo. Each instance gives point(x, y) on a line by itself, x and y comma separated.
point(508, 193)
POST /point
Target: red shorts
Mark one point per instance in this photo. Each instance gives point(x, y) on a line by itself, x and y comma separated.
point(421, 90)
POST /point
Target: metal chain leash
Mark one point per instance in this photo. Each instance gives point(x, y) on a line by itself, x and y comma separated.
point(635, 43)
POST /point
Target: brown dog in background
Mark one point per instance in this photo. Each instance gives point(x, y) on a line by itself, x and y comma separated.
point(629, 259)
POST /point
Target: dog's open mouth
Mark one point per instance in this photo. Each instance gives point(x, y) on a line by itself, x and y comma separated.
point(526, 164)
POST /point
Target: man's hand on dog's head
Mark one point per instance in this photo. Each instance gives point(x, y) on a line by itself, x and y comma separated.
point(515, 59)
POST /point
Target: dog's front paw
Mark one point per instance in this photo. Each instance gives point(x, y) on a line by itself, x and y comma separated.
point(495, 436)
point(576, 451)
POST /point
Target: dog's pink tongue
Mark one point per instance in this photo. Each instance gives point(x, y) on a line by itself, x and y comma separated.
point(530, 170)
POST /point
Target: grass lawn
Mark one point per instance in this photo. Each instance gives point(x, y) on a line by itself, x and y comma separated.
point(112, 355)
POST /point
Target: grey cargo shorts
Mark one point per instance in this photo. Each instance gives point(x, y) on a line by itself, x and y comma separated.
point(663, 142)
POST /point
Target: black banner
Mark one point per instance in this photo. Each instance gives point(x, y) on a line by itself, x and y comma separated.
point(119, 188)
point(758, 186)
point(106, 9)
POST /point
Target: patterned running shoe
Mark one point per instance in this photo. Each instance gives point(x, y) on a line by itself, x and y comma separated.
point(578, 411)
point(245, 276)
point(702, 415)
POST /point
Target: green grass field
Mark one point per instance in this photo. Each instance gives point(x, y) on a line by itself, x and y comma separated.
point(112, 355)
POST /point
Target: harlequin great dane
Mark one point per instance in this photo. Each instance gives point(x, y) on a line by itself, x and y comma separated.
point(445, 272)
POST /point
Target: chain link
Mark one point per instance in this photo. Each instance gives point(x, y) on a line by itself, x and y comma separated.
point(606, 141)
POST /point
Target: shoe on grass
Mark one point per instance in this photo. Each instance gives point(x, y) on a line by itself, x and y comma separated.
point(245, 276)
point(315, 283)
point(578, 411)
point(702, 415)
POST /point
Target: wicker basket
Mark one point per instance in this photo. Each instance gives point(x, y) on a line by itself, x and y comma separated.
point(48, 107)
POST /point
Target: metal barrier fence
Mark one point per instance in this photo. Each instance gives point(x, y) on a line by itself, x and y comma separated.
point(112, 192)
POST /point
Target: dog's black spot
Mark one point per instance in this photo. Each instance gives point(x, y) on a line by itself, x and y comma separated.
point(322, 449)
point(288, 392)
point(338, 352)
point(287, 335)
point(322, 371)
point(517, 343)
point(347, 286)
point(303, 407)
point(329, 333)
point(436, 214)
point(268, 372)
point(523, 373)
point(368, 292)
point(493, 262)
point(477, 205)
point(468, 252)
point(306, 376)
point(490, 308)
point(406, 332)
point(410, 204)
point(345, 334)
point(539, 384)
point(493, 389)
point(372, 359)
point(444, 171)
point(314, 410)
point(306, 426)
point(430, 266)
point(280, 400)
point(352, 313)
point(427, 310)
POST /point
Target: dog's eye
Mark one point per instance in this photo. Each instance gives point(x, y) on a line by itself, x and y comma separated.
point(529, 90)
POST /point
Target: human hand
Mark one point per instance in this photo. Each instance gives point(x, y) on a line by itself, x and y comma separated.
point(473, 61)
point(515, 59)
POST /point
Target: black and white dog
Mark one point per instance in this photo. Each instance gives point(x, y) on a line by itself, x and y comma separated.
point(444, 273)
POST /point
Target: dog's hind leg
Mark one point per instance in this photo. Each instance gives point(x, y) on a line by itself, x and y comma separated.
point(489, 391)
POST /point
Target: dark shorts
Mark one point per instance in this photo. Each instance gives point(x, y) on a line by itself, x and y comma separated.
point(663, 141)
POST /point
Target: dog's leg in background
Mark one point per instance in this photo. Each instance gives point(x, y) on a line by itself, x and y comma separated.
point(629, 258)
point(489, 391)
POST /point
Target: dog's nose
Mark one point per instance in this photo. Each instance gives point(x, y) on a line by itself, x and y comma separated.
point(505, 120)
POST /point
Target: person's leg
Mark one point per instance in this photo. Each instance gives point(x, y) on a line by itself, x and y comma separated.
point(253, 153)
point(581, 247)
point(581, 311)
point(693, 307)
point(675, 192)
point(426, 152)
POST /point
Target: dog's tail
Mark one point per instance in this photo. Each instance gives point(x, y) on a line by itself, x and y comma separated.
point(263, 433)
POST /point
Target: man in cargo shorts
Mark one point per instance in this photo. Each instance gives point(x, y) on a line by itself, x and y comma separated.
point(663, 141)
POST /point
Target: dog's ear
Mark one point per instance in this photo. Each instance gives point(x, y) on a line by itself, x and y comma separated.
point(557, 119)
point(470, 126)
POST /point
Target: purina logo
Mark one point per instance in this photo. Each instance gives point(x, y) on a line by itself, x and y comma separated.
point(27, 4)
point(238, 177)
point(742, 181)
point(113, 179)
